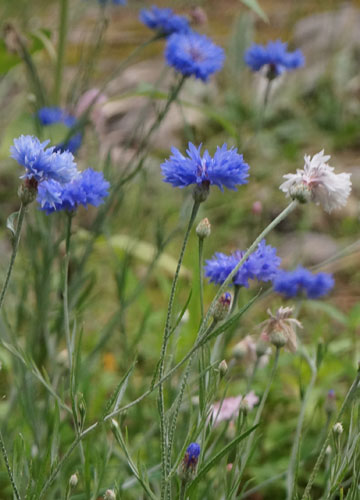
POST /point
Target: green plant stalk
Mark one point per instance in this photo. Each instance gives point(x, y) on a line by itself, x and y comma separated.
point(8, 468)
point(321, 456)
point(290, 480)
point(258, 415)
point(63, 20)
point(163, 432)
point(201, 277)
point(14, 252)
point(182, 490)
point(235, 299)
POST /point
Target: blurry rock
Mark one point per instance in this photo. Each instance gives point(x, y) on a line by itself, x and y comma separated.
point(309, 249)
point(319, 36)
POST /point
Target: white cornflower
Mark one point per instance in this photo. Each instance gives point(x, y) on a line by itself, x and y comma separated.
point(318, 182)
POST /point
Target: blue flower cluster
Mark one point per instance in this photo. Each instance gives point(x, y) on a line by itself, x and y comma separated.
point(274, 55)
point(164, 21)
point(51, 115)
point(87, 188)
point(43, 164)
point(301, 280)
point(193, 54)
point(262, 265)
point(226, 169)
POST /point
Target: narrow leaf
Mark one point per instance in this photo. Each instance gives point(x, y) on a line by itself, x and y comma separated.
point(255, 7)
point(10, 222)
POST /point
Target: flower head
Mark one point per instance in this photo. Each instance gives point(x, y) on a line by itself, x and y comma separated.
point(164, 20)
point(301, 280)
point(228, 408)
point(43, 164)
point(226, 169)
point(280, 328)
point(88, 188)
point(261, 265)
point(248, 353)
point(193, 54)
point(187, 468)
point(275, 56)
point(51, 115)
point(318, 182)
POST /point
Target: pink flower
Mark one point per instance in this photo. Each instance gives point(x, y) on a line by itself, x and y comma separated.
point(228, 408)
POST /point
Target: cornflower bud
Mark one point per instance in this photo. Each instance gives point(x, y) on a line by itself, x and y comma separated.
point(223, 368)
point(222, 307)
point(257, 208)
point(187, 469)
point(27, 191)
point(73, 481)
point(338, 428)
point(110, 495)
point(203, 229)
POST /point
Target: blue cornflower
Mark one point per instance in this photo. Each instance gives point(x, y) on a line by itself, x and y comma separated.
point(192, 456)
point(43, 164)
point(51, 115)
point(88, 188)
point(275, 56)
point(164, 21)
point(262, 265)
point(292, 283)
point(226, 169)
point(193, 54)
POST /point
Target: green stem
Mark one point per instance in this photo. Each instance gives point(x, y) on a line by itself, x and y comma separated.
point(8, 468)
point(201, 277)
point(259, 413)
point(182, 490)
point(14, 252)
point(64, 8)
point(163, 433)
point(321, 456)
point(69, 217)
point(290, 482)
point(235, 299)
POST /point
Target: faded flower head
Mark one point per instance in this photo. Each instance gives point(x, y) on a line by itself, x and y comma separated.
point(247, 352)
point(225, 169)
point(52, 115)
point(193, 54)
point(280, 328)
point(275, 57)
point(318, 183)
point(164, 21)
point(43, 164)
point(261, 265)
point(301, 280)
point(88, 188)
point(228, 408)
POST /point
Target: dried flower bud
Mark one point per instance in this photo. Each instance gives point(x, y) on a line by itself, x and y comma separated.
point(261, 348)
point(198, 15)
point(73, 481)
point(328, 450)
point(338, 428)
point(239, 350)
point(223, 368)
point(187, 468)
point(278, 338)
point(110, 495)
point(222, 307)
point(203, 229)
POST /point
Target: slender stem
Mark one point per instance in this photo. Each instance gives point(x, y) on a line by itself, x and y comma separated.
point(321, 456)
point(64, 8)
point(14, 252)
point(182, 490)
point(252, 376)
point(259, 413)
point(8, 468)
point(69, 217)
point(235, 299)
point(164, 444)
point(201, 277)
point(290, 481)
